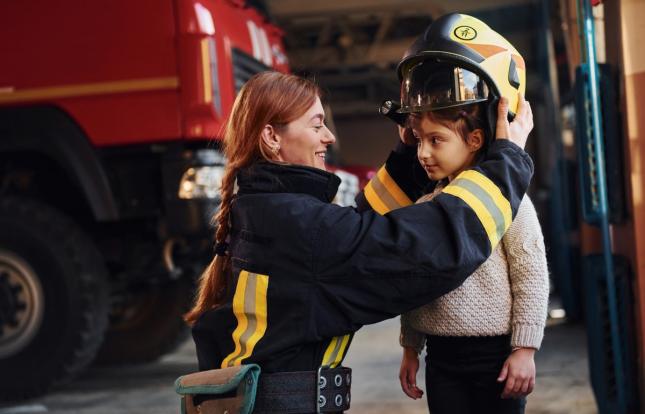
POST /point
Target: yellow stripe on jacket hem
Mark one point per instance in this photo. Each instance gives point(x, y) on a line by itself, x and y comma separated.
point(327, 357)
point(335, 351)
point(343, 351)
point(250, 310)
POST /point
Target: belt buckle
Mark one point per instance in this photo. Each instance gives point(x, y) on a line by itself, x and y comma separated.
point(318, 376)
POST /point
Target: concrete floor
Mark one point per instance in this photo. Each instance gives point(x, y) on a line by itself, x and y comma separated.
point(562, 382)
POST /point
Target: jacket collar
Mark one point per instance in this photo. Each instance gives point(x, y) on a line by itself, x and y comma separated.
point(266, 177)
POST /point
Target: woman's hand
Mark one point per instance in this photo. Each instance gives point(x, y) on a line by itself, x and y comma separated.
point(519, 373)
point(408, 373)
point(406, 135)
point(518, 130)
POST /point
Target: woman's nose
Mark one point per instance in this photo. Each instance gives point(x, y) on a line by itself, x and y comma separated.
point(329, 138)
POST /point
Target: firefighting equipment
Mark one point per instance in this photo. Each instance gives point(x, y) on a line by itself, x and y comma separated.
point(457, 61)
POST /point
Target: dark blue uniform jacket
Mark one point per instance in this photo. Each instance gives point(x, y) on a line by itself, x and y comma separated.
point(307, 274)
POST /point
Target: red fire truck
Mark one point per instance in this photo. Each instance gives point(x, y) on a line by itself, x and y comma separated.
point(109, 173)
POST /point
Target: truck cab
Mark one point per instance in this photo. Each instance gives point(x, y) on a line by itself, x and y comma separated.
point(110, 119)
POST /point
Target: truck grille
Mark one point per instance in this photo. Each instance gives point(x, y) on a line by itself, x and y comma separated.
point(245, 66)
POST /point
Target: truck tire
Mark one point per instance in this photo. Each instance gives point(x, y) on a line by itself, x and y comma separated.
point(147, 325)
point(53, 298)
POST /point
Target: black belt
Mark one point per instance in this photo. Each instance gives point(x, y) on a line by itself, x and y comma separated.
point(324, 391)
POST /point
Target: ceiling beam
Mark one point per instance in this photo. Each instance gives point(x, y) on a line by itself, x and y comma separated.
point(290, 9)
point(383, 29)
point(358, 55)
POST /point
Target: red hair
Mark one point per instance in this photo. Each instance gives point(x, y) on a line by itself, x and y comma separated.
point(268, 98)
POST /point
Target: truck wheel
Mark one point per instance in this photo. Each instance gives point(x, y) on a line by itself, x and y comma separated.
point(53, 298)
point(147, 324)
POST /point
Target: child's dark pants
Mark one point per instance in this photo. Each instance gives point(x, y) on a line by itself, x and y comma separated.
point(461, 376)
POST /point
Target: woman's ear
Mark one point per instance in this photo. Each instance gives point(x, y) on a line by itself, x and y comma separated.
point(270, 138)
point(476, 140)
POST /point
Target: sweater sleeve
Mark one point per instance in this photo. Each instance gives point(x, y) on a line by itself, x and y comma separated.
point(529, 276)
point(410, 337)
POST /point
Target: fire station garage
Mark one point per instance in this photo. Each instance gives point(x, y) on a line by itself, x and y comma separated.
point(112, 169)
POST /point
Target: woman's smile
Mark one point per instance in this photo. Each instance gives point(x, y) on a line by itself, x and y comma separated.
point(322, 154)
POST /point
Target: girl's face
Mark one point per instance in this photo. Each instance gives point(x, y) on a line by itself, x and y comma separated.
point(441, 151)
point(305, 140)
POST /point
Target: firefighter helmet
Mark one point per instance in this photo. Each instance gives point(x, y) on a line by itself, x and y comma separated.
point(459, 60)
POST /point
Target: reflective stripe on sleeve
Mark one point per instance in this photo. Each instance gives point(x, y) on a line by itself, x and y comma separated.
point(384, 194)
point(250, 310)
point(487, 201)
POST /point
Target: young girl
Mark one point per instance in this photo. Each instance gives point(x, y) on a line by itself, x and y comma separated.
point(481, 337)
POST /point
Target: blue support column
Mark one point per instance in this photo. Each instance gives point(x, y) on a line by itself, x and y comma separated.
point(595, 207)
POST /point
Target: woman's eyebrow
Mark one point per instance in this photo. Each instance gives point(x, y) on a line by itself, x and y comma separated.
point(321, 117)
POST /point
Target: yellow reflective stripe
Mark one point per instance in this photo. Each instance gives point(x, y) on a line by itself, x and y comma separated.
point(341, 353)
point(493, 191)
point(250, 310)
point(335, 351)
point(329, 352)
point(393, 188)
point(384, 194)
point(238, 311)
point(375, 201)
point(261, 286)
point(480, 210)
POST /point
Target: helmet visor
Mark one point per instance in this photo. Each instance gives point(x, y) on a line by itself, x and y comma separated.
point(429, 86)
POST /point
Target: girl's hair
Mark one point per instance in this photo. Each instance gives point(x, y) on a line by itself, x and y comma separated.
point(268, 98)
point(462, 120)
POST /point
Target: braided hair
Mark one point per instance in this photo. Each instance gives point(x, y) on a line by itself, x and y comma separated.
point(268, 98)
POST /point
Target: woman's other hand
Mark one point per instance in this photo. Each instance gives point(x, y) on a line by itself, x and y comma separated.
point(518, 130)
point(408, 373)
point(406, 135)
point(519, 373)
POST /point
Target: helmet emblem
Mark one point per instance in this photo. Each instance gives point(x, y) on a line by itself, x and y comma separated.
point(465, 32)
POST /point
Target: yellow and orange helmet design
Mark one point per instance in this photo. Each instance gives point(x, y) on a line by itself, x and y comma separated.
point(457, 61)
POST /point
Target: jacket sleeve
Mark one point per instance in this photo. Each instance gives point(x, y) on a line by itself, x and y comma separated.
point(370, 267)
point(398, 183)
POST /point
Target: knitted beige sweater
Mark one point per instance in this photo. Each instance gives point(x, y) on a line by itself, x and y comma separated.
point(508, 294)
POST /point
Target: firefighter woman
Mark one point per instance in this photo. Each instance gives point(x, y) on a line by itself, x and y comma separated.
point(294, 276)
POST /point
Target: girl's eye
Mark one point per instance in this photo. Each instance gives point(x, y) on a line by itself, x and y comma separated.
point(436, 140)
point(317, 127)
